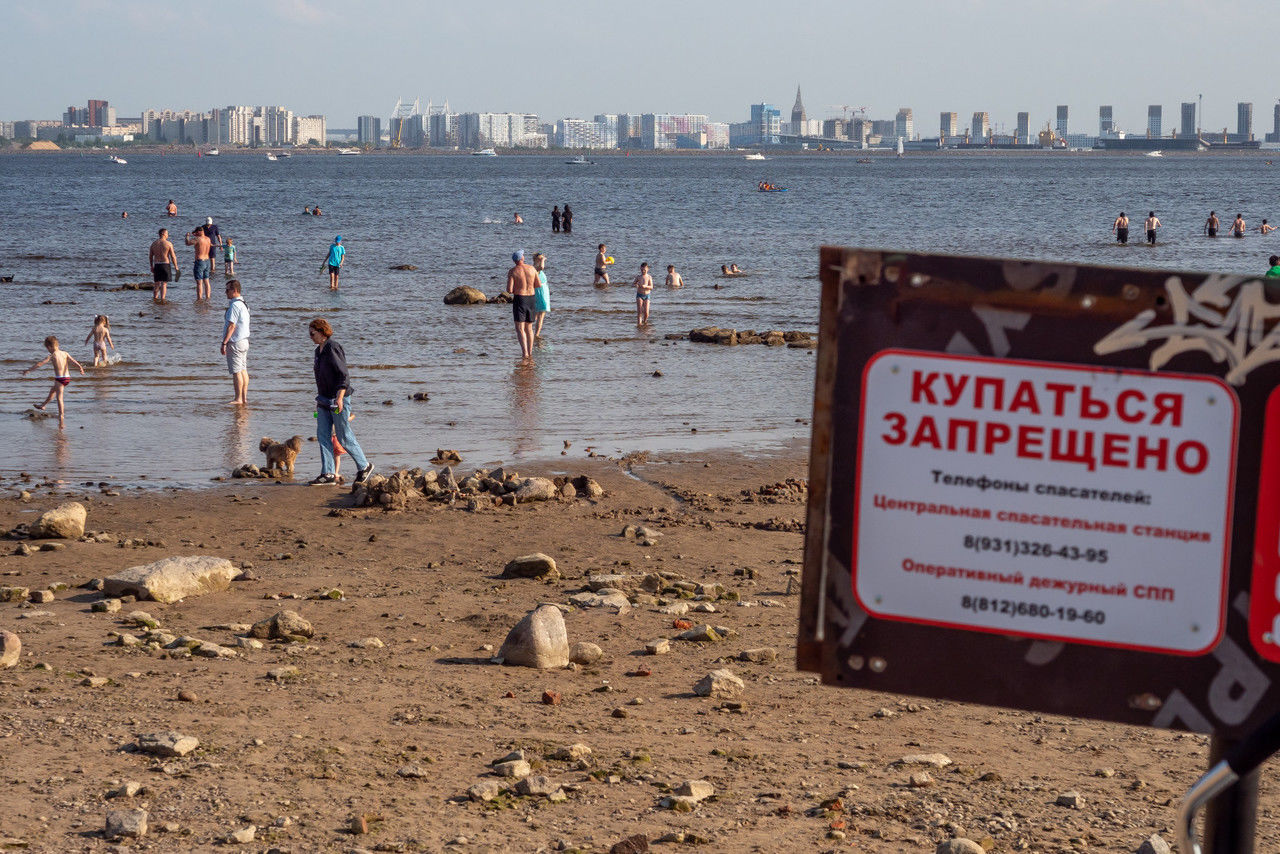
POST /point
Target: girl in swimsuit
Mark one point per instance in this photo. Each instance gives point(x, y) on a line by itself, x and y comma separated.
point(101, 337)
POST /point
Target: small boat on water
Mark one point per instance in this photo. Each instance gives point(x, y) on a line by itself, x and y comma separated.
point(864, 160)
point(284, 154)
point(1155, 154)
point(213, 152)
point(484, 152)
point(271, 156)
point(755, 155)
point(580, 160)
point(114, 158)
point(348, 152)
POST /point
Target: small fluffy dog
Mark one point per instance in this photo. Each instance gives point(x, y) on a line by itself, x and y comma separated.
point(280, 455)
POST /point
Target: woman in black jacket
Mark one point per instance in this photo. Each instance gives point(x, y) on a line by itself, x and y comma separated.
point(333, 412)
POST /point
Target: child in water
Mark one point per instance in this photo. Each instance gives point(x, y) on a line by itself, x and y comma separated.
point(229, 257)
point(61, 377)
point(100, 335)
point(644, 287)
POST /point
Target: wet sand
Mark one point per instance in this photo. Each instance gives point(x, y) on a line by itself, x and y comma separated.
point(795, 766)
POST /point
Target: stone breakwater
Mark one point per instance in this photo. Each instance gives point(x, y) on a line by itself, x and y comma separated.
point(498, 487)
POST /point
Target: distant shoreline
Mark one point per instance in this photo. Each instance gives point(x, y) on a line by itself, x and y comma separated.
point(879, 153)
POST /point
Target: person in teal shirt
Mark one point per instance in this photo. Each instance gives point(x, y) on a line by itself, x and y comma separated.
point(336, 253)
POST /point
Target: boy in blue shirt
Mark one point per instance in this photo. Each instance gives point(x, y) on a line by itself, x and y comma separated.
point(336, 253)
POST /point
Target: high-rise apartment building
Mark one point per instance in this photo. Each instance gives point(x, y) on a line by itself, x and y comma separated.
point(97, 113)
point(948, 126)
point(767, 121)
point(980, 129)
point(309, 130)
point(1188, 119)
point(369, 130)
point(1023, 133)
point(1154, 125)
point(277, 125)
point(1061, 126)
point(580, 133)
point(664, 131)
point(1274, 136)
point(1244, 121)
point(1106, 121)
point(904, 125)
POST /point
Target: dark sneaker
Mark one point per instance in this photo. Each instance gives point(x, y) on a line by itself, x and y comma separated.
point(325, 480)
point(363, 474)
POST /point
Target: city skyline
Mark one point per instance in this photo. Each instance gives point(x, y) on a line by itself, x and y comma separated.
point(579, 59)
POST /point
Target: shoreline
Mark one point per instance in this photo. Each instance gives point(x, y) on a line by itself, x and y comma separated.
point(392, 711)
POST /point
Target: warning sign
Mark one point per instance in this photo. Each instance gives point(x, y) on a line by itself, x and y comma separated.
point(1046, 486)
point(1050, 501)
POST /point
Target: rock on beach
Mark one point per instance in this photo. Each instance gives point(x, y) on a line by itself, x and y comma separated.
point(10, 649)
point(64, 522)
point(540, 640)
point(173, 578)
point(464, 295)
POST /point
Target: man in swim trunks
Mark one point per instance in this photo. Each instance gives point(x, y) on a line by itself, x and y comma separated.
point(163, 262)
point(1121, 228)
point(601, 271)
point(1211, 224)
point(200, 269)
point(1151, 225)
point(337, 253)
point(171, 209)
point(555, 220)
point(1238, 227)
point(566, 220)
point(522, 281)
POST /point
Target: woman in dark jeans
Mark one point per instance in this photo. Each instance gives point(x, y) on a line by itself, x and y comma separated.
point(333, 411)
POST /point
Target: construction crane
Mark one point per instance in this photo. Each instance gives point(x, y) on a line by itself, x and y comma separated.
point(401, 113)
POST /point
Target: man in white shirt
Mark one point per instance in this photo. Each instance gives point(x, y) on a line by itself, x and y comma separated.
point(235, 343)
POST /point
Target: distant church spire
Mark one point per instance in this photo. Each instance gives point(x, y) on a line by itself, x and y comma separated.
point(797, 112)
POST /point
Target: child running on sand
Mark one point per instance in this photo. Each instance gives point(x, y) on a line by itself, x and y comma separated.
point(61, 378)
point(229, 257)
point(101, 337)
point(644, 287)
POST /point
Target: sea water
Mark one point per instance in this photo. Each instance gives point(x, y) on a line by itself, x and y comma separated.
point(160, 412)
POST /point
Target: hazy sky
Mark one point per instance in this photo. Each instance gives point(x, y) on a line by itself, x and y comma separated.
point(344, 58)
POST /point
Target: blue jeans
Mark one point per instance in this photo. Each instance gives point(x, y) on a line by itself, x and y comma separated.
point(337, 424)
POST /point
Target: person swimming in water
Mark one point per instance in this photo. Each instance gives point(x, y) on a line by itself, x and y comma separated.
point(1238, 227)
point(1211, 224)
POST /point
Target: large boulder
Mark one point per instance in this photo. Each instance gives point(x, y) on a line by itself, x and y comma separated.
point(64, 522)
point(10, 649)
point(540, 640)
point(173, 578)
point(536, 489)
point(536, 565)
point(464, 295)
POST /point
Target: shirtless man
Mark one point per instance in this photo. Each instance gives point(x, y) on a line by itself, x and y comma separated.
point(1121, 228)
point(1266, 229)
point(163, 262)
point(171, 209)
point(1211, 224)
point(1238, 227)
point(522, 280)
point(201, 268)
point(602, 271)
point(674, 279)
point(1151, 225)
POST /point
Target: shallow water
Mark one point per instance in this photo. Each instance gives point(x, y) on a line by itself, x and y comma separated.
point(161, 412)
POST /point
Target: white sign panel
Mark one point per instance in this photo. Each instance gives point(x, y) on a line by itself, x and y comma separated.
point(1054, 501)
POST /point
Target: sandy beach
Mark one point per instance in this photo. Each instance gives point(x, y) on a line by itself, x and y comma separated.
point(341, 742)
